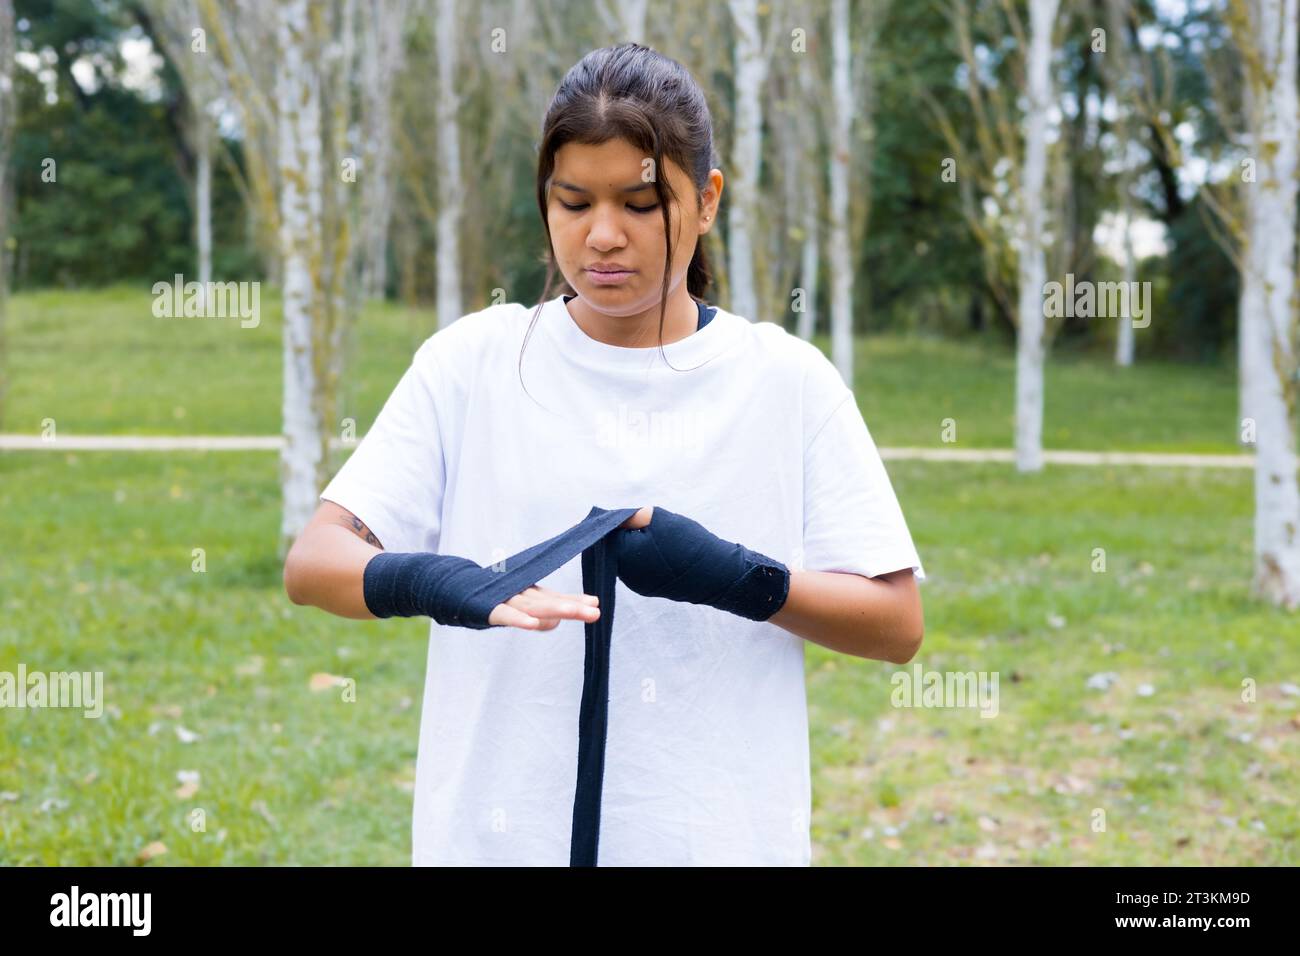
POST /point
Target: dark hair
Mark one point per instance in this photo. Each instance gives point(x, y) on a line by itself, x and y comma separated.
point(631, 92)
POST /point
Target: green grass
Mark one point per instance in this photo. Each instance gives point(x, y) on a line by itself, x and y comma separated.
point(907, 387)
point(96, 574)
point(100, 362)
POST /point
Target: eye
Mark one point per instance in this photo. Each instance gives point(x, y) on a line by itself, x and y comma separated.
point(572, 207)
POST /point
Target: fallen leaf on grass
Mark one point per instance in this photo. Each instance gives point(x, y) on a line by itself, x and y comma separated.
point(321, 681)
point(189, 783)
point(186, 735)
point(250, 667)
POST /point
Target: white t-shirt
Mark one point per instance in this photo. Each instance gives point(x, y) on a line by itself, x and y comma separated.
point(755, 436)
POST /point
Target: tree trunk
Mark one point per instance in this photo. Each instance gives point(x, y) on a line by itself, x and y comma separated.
point(447, 39)
point(1120, 60)
point(298, 96)
point(1032, 267)
point(1268, 286)
point(203, 194)
point(1124, 341)
point(839, 251)
point(382, 58)
point(747, 155)
point(8, 104)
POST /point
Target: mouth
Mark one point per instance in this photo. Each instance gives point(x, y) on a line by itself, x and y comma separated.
point(609, 275)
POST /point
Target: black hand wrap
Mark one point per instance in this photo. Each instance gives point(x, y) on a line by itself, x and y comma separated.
point(677, 558)
point(457, 591)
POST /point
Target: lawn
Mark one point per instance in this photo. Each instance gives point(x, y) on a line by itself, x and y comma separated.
point(97, 575)
point(1122, 732)
point(101, 363)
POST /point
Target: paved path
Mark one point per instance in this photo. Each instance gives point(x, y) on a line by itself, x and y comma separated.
point(273, 442)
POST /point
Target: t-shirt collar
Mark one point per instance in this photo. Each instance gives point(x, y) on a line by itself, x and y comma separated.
point(698, 347)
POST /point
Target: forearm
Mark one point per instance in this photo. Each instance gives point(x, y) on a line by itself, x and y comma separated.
point(325, 569)
point(878, 618)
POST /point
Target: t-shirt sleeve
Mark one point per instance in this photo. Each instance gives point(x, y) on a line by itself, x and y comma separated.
point(395, 477)
point(852, 519)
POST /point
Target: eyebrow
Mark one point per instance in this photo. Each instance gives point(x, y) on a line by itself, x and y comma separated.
point(578, 189)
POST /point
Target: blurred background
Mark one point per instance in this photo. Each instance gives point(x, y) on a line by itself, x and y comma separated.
point(1050, 243)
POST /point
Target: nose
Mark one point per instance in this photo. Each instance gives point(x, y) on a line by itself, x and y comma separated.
point(606, 230)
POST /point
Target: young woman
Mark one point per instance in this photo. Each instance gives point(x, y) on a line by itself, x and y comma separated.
point(764, 517)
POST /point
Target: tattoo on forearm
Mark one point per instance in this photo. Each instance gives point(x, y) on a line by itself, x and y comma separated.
point(359, 528)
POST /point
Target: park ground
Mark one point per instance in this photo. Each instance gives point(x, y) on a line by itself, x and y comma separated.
point(1148, 713)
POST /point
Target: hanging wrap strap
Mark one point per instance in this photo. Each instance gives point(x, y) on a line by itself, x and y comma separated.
point(461, 593)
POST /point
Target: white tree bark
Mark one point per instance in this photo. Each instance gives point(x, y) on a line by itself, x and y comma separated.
point(8, 103)
point(1119, 59)
point(839, 240)
point(747, 153)
point(382, 30)
point(204, 81)
point(1268, 316)
point(1032, 267)
point(809, 266)
point(626, 18)
point(1124, 340)
point(203, 196)
point(809, 135)
point(447, 40)
point(298, 102)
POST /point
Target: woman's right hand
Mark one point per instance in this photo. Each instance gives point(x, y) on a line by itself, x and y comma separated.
point(541, 609)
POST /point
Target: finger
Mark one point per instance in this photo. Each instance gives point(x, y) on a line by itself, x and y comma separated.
point(536, 591)
point(640, 519)
point(507, 616)
point(558, 608)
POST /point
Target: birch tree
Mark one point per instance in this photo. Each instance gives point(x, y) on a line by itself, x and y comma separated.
point(8, 103)
point(751, 65)
point(1031, 344)
point(178, 26)
point(293, 72)
point(1265, 34)
point(245, 36)
point(1120, 74)
point(382, 28)
point(447, 41)
point(625, 19)
point(1002, 183)
point(300, 159)
point(839, 242)
point(809, 135)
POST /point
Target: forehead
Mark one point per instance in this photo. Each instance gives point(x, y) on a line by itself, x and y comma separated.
point(609, 165)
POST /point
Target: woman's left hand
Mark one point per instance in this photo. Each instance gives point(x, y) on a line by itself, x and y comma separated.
point(667, 555)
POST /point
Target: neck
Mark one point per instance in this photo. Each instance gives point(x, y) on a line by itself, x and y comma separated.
point(639, 330)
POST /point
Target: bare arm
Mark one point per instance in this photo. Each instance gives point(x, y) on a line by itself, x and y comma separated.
point(878, 618)
point(326, 566)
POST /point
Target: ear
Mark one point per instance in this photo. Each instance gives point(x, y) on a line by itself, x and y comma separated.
point(710, 199)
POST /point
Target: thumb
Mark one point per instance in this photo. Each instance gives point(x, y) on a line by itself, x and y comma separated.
point(640, 519)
